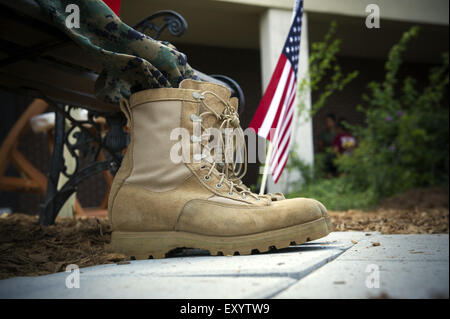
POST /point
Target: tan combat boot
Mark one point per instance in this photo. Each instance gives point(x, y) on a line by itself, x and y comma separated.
point(210, 121)
point(157, 205)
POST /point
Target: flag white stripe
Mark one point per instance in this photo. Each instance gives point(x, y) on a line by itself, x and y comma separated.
point(280, 166)
point(282, 122)
point(283, 134)
point(279, 151)
point(275, 103)
point(291, 85)
point(285, 122)
point(292, 97)
point(283, 159)
point(290, 113)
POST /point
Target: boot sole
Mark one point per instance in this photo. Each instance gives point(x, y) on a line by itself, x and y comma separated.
point(144, 245)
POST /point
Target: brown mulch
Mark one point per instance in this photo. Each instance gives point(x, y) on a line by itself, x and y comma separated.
point(27, 249)
point(417, 211)
point(391, 221)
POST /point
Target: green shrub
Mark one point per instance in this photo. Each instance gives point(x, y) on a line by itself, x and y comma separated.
point(324, 75)
point(336, 194)
point(404, 143)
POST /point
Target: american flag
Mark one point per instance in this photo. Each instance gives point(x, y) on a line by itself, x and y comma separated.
point(274, 116)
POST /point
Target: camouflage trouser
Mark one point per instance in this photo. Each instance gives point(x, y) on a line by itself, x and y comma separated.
point(131, 60)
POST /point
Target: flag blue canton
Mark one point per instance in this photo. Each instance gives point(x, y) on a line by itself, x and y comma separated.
point(291, 47)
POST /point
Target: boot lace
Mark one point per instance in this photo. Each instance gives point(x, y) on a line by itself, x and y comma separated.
point(234, 171)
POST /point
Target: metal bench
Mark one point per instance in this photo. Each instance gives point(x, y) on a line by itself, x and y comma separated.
point(39, 60)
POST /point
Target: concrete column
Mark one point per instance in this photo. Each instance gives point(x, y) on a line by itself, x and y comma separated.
point(274, 27)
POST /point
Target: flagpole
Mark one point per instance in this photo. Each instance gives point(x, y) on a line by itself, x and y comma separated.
point(266, 169)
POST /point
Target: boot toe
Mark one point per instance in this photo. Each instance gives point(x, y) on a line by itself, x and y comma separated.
point(295, 211)
point(210, 218)
point(322, 207)
point(307, 209)
point(325, 215)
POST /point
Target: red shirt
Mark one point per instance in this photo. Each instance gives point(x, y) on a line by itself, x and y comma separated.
point(344, 142)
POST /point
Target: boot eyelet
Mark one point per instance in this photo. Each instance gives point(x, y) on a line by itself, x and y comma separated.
point(198, 157)
point(198, 95)
point(195, 118)
point(219, 185)
point(206, 177)
point(244, 197)
point(231, 194)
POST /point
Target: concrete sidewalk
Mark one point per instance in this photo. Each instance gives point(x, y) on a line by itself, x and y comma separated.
point(342, 265)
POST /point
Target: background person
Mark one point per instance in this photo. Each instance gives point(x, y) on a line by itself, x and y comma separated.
point(344, 142)
point(326, 137)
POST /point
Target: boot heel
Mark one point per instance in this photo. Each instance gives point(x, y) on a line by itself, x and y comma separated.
point(143, 245)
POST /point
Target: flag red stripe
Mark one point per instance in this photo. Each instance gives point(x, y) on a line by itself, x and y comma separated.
point(277, 155)
point(263, 106)
point(287, 120)
point(282, 123)
point(114, 5)
point(282, 168)
point(277, 163)
point(286, 129)
point(275, 122)
point(281, 161)
point(286, 123)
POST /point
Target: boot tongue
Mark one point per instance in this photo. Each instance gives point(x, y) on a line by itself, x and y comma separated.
point(211, 100)
point(220, 90)
point(234, 102)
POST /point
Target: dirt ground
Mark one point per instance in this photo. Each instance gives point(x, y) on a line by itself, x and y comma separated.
point(419, 211)
point(27, 249)
point(390, 221)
